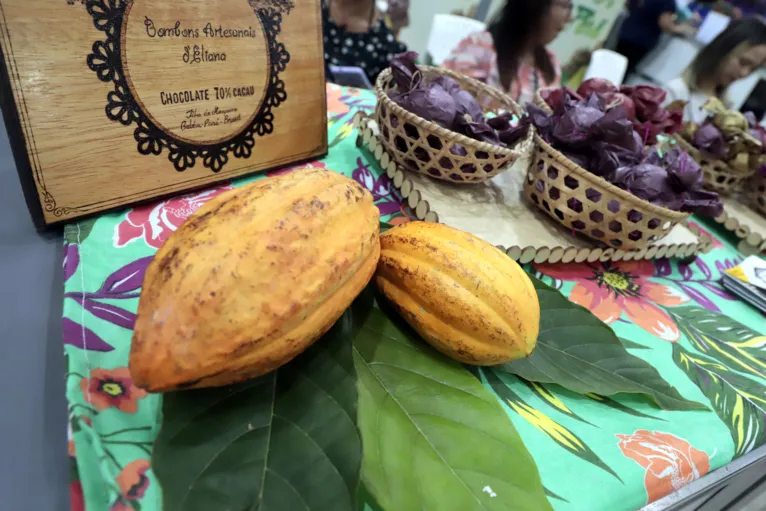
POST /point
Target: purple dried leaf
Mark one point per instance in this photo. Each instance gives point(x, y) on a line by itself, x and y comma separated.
point(432, 103)
point(405, 71)
point(685, 173)
point(580, 158)
point(447, 83)
point(709, 139)
point(503, 121)
point(467, 105)
point(645, 181)
point(480, 131)
point(81, 337)
point(702, 202)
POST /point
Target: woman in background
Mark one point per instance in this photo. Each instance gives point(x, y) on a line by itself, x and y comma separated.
point(733, 55)
point(641, 30)
point(398, 15)
point(511, 54)
point(355, 34)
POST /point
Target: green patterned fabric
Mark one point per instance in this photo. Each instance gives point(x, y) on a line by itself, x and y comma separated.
point(592, 452)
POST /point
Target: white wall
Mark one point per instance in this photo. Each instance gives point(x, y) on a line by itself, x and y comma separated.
point(421, 15)
point(581, 33)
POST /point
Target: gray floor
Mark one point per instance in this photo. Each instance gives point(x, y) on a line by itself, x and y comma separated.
point(33, 465)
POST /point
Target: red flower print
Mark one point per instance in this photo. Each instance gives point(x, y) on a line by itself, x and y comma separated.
point(716, 243)
point(121, 505)
point(287, 170)
point(133, 480)
point(112, 388)
point(670, 462)
point(76, 499)
point(155, 222)
point(609, 289)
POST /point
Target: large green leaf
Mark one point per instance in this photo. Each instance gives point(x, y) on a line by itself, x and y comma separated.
point(611, 403)
point(562, 436)
point(723, 338)
point(287, 440)
point(578, 351)
point(739, 401)
point(552, 399)
point(434, 437)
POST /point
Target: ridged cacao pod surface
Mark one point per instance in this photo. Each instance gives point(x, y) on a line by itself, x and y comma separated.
point(461, 294)
point(252, 279)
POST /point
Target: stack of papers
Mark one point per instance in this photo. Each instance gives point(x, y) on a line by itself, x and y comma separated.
point(748, 281)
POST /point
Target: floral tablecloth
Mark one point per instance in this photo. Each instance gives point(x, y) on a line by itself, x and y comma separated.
point(706, 343)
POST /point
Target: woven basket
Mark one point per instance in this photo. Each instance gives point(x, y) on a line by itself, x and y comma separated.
point(718, 176)
point(422, 146)
point(759, 194)
point(588, 204)
point(540, 102)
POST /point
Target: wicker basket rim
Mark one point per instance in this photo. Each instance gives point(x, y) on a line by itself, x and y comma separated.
point(518, 149)
point(540, 102)
point(603, 183)
point(697, 155)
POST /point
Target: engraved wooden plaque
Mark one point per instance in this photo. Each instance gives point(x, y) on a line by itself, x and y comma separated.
point(112, 102)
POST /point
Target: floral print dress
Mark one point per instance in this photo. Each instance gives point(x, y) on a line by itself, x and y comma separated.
point(475, 56)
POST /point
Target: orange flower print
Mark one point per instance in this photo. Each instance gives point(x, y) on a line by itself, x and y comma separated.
point(670, 462)
point(133, 480)
point(334, 105)
point(112, 388)
point(609, 289)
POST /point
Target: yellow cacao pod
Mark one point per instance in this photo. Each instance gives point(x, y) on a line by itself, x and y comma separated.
point(252, 279)
point(462, 295)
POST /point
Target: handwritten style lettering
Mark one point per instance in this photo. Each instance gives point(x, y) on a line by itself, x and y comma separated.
point(197, 54)
point(208, 31)
point(174, 31)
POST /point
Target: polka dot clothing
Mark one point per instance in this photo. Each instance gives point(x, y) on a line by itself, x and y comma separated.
point(372, 50)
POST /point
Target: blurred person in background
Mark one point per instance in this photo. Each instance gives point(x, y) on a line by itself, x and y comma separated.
point(356, 34)
point(511, 55)
point(641, 30)
point(398, 15)
point(735, 53)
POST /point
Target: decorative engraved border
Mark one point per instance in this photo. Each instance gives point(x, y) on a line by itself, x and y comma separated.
point(421, 208)
point(106, 61)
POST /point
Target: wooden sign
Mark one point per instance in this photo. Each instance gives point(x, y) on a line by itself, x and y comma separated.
point(111, 102)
